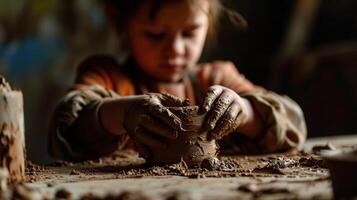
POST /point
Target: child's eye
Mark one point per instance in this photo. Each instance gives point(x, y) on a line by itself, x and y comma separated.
point(155, 36)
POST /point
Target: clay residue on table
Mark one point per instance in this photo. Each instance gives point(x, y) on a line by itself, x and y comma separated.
point(34, 172)
point(127, 164)
point(275, 166)
point(131, 166)
point(269, 174)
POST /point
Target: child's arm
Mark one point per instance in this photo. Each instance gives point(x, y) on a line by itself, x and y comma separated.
point(75, 131)
point(267, 121)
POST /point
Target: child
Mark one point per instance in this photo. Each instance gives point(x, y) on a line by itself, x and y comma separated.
point(165, 39)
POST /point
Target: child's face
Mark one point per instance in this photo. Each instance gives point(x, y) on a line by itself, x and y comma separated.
point(166, 46)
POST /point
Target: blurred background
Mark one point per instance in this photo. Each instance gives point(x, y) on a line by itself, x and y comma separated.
point(306, 49)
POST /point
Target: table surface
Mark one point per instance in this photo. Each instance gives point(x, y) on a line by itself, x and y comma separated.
point(294, 175)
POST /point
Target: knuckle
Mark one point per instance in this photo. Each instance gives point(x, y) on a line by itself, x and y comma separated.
point(224, 100)
point(216, 86)
point(214, 89)
point(230, 116)
point(230, 91)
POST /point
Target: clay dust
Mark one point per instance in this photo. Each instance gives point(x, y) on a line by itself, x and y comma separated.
point(127, 164)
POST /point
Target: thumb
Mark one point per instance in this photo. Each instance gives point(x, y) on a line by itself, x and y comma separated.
point(173, 101)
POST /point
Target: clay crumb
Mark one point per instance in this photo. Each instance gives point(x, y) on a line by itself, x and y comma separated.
point(275, 166)
point(90, 196)
point(63, 194)
point(75, 172)
point(219, 165)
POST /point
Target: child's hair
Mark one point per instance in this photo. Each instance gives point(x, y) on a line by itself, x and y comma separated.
point(120, 11)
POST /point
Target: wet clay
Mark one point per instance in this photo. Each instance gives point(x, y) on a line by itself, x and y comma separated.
point(12, 140)
point(191, 146)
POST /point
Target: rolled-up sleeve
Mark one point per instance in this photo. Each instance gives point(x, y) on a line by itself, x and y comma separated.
point(76, 132)
point(284, 122)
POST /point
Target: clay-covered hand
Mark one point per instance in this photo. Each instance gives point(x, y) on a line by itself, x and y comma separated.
point(226, 111)
point(149, 122)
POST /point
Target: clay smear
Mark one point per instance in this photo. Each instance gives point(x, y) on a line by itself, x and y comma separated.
point(12, 140)
point(192, 146)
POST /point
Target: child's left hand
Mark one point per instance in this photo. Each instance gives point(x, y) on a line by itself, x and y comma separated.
point(226, 111)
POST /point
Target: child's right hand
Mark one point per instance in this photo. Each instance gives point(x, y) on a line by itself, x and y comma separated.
point(149, 122)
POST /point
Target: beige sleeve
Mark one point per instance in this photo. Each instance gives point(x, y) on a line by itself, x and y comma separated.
point(284, 124)
point(76, 133)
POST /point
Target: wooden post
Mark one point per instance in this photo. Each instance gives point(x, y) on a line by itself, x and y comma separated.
point(12, 139)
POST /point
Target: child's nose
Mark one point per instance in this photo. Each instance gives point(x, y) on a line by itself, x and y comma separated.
point(175, 46)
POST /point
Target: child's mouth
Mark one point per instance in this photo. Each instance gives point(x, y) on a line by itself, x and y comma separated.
point(172, 67)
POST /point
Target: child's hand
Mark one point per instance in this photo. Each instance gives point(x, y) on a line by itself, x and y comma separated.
point(226, 111)
point(150, 123)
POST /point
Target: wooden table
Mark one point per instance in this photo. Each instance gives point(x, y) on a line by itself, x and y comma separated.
point(295, 179)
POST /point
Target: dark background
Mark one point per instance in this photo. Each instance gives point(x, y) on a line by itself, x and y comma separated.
point(306, 49)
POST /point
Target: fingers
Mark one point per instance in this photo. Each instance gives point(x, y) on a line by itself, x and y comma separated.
point(212, 94)
point(166, 116)
point(145, 137)
point(218, 108)
point(172, 101)
point(228, 121)
point(157, 127)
